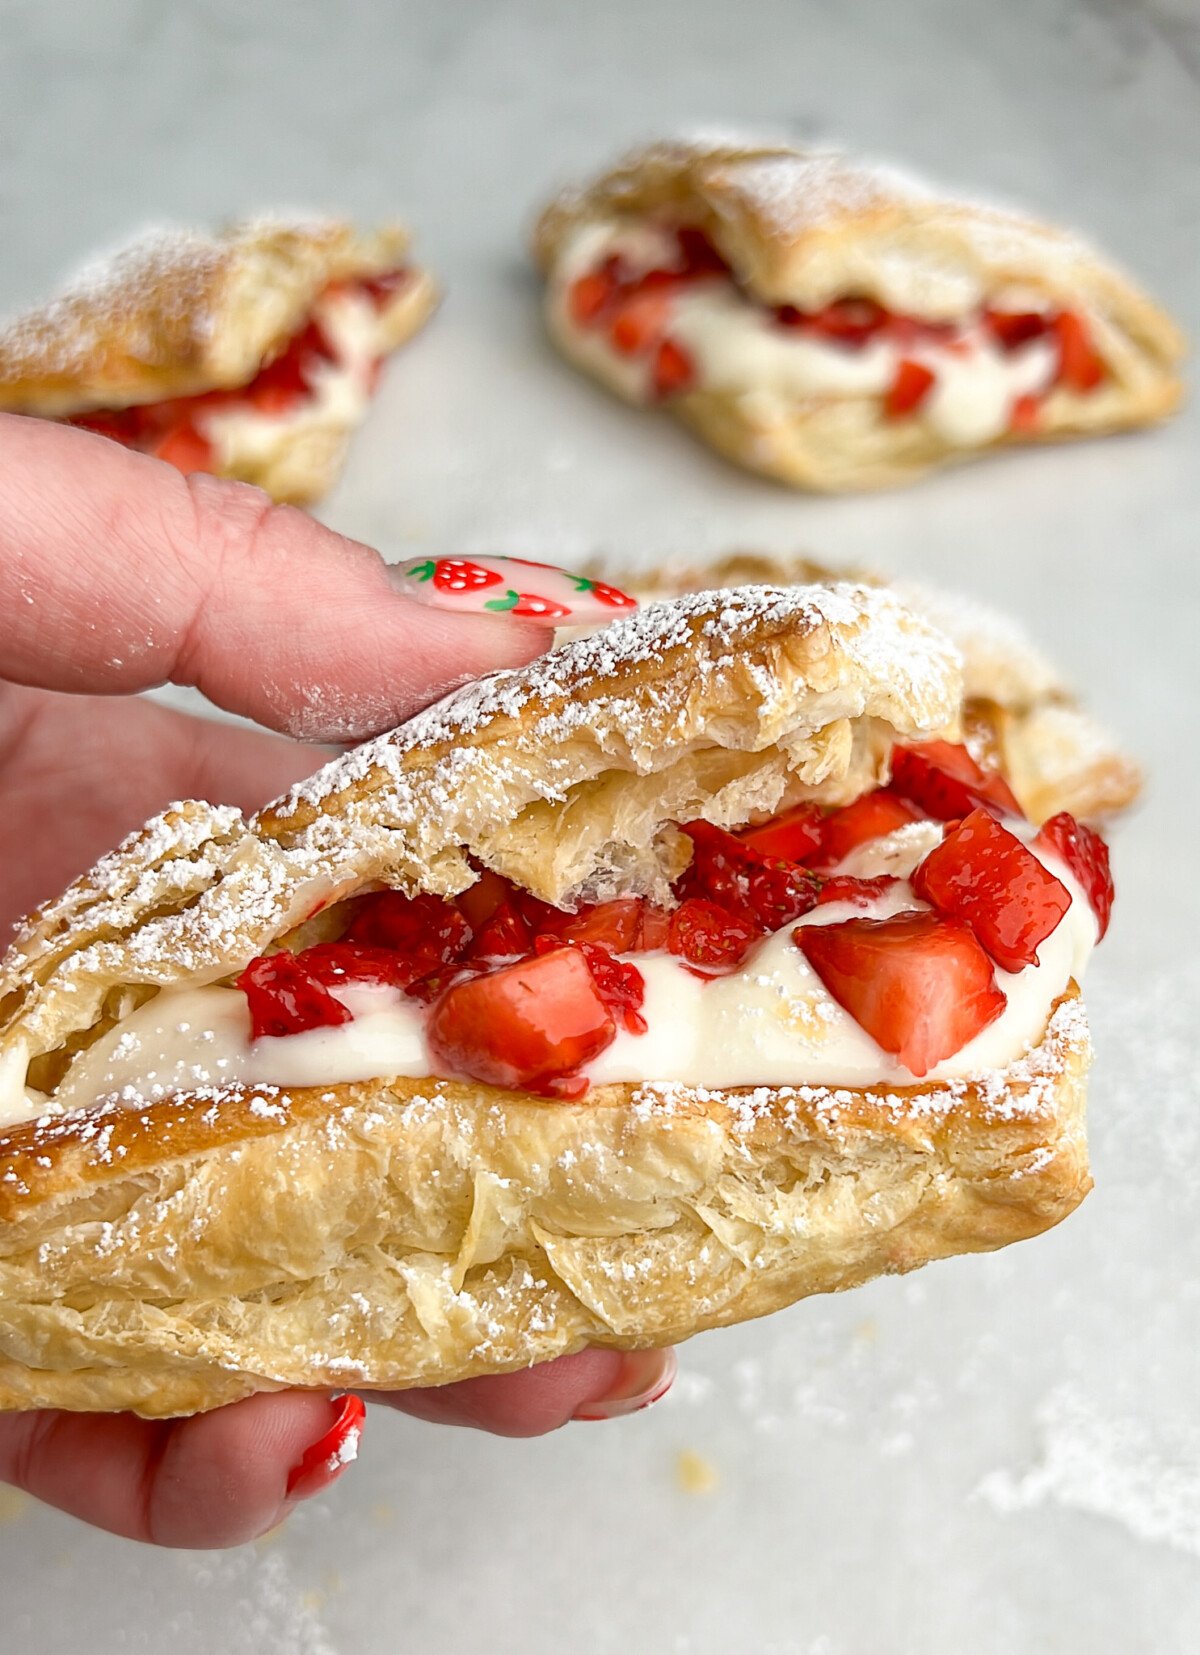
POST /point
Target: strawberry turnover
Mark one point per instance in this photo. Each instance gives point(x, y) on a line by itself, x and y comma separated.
point(251, 354)
point(836, 325)
point(692, 968)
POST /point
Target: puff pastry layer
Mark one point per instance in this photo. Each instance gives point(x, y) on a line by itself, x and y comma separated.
point(173, 1255)
point(797, 236)
point(179, 315)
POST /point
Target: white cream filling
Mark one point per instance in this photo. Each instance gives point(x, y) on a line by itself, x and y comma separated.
point(739, 348)
point(339, 395)
point(772, 1022)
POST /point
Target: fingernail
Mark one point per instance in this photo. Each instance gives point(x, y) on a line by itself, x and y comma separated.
point(644, 1377)
point(326, 1459)
point(509, 586)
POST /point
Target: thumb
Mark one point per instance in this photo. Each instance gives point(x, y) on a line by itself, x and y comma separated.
point(118, 574)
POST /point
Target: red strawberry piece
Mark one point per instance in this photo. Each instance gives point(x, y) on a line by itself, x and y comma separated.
point(1026, 414)
point(1013, 328)
point(982, 875)
point(794, 835)
point(332, 963)
point(185, 449)
point(527, 1025)
point(769, 891)
point(459, 574)
point(700, 257)
point(869, 817)
point(779, 893)
point(479, 901)
point(425, 932)
point(912, 384)
point(921, 986)
point(505, 933)
point(862, 893)
point(655, 930)
point(590, 295)
point(1086, 855)
point(615, 925)
point(622, 986)
point(849, 322)
point(945, 781)
point(788, 316)
point(1079, 367)
point(674, 370)
point(530, 603)
point(705, 934)
point(639, 320)
point(285, 998)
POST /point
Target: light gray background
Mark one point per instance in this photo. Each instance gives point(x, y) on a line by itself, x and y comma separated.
point(1001, 1454)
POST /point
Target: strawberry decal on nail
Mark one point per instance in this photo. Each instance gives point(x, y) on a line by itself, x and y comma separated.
point(494, 586)
point(603, 593)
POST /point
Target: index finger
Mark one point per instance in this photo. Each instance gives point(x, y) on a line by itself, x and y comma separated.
point(117, 574)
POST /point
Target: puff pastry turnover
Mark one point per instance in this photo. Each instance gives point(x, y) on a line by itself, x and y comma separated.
point(1019, 715)
point(609, 1000)
point(837, 326)
point(252, 353)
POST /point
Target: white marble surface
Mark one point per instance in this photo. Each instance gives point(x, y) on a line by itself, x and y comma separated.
point(1000, 1454)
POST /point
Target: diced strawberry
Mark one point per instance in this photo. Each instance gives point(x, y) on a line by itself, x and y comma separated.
point(531, 1025)
point(674, 370)
point(640, 320)
point(1026, 413)
point(845, 887)
point(285, 998)
point(769, 891)
point(779, 893)
point(921, 986)
point(622, 986)
point(1013, 328)
point(331, 963)
point(426, 932)
point(983, 876)
point(705, 934)
point(700, 257)
point(616, 925)
point(849, 322)
point(505, 933)
point(479, 901)
point(655, 929)
point(1086, 855)
point(587, 297)
point(912, 384)
point(794, 835)
point(1079, 366)
point(945, 781)
point(185, 449)
point(869, 817)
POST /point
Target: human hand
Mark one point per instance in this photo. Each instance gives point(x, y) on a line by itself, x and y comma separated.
point(117, 574)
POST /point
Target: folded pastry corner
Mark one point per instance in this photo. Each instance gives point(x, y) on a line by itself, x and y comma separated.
point(685, 972)
point(837, 325)
point(252, 353)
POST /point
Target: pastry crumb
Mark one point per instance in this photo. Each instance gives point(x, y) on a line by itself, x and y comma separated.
point(694, 1474)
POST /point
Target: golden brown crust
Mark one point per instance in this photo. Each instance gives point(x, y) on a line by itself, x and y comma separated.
point(1018, 714)
point(805, 228)
point(171, 1256)
point(180, 313)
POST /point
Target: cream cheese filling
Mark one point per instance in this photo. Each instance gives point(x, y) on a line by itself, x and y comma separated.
point(339, 395)
point(772, 1022)
point(739, 349)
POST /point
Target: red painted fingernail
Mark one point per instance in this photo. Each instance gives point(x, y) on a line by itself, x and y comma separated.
point(328, 1457)
point(510, 586)
point(644, 1377)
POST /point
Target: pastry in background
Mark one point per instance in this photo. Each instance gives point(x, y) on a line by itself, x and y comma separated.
point(253, 353)
point(693, 968)
point(1019, 714)
point(837, 326)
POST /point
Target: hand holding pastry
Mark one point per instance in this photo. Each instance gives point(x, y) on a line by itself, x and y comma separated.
point(117, 574)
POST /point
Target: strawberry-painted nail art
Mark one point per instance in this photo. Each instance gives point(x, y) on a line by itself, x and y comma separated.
point(325, 1460)
point(510, 586)
point(645, 1377)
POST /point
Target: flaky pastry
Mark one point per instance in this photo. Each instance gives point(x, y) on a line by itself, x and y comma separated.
point(1019, 715)
point(252, 353)
point(447, 1062)
point(836, 325)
